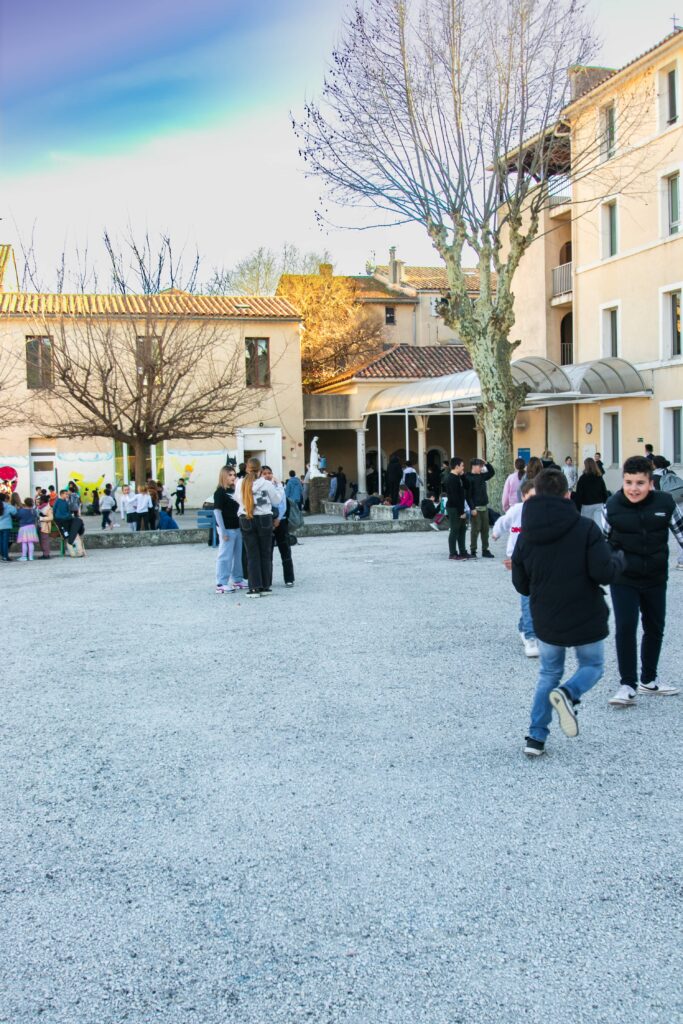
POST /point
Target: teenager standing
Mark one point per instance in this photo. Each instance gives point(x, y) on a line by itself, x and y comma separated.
point(256, 498)
point(229, 560)
point(281, 533)
point(454, 487)
point(637, 521)
point(590, 493)
point(478, 500)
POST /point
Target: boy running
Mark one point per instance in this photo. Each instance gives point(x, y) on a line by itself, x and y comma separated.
point(636, 521)
point(560, 560)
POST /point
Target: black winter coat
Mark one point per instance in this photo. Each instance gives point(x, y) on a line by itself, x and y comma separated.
point(456, 492)
point(641, 531)
point(477, 494)
point(590, 490)
point(561, 559)
point(224, 502)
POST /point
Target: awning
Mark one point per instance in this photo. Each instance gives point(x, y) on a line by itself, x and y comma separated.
point(546, 382)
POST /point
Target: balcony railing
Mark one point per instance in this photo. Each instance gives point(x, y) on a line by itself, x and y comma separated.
point(566, 353)
point(562, 279)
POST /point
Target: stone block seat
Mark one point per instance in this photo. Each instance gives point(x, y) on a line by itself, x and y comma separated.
point(384, 512)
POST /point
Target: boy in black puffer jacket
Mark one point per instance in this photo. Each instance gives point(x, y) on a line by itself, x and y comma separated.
point(637, 520)
point(560, 560)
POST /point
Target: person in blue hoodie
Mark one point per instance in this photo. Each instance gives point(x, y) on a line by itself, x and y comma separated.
point(8, 514)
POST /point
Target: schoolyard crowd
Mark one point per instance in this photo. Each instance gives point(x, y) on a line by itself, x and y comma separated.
point(567, 538)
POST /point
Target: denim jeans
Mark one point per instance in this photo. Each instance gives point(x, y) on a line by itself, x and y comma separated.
point(4, 543)
point(257, 536)
point(395, 509)
point(591, 659)
point(526, 624)
point(628, 603)
point(229, 559)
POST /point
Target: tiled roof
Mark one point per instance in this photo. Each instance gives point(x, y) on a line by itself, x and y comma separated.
point(434, 278)
point(408, 362)
point(229, 307)
point(367, 288)
point(612, 73)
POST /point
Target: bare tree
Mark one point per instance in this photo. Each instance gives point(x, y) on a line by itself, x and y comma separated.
point(139, 368)
point(449, 114)
point(259, 273)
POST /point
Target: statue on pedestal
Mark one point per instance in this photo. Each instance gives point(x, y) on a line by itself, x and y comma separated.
point(314, 462)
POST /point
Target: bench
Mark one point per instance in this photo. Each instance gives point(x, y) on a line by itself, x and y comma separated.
point(207, 521)
point(384, 512)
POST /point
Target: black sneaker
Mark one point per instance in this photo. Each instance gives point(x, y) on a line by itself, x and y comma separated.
point(566, 715)
point(487, 554)
point(472, 554)
point(534, 748)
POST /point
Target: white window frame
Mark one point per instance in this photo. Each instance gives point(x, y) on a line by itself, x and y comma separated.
point(606, 436)
point(605, 236)
point(605, 153)
point(665, 292)
point(666, 427)
point(664, 175)
point(605, 321)
point(663, 123)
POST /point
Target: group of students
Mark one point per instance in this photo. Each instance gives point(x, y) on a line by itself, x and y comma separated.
point(252, 518)
point(561, 559)
point(33, 519)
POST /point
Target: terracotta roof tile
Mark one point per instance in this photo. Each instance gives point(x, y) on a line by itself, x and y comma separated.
point(366, 287)
point(229, 307)
point(433, 278)
point(409, 362)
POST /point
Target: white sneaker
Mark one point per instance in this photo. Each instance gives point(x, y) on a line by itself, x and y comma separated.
point(434, 526)
point(658, 689)
point(531, 648)
point(625, 697)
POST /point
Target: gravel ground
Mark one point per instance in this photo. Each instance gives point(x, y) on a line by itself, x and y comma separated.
point(316, 808)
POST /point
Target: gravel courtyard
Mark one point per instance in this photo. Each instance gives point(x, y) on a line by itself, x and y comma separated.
point(315, 807)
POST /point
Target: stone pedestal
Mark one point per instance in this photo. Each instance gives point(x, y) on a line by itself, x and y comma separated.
point(318, 491)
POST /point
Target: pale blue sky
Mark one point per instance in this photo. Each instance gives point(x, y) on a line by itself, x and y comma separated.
point(174, 116)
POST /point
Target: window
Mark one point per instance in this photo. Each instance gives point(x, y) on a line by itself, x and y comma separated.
point(257, 352)
point(671, 97)
point(611, 438)
point(674, 311)
point(608, 131)
point(610, 331)
point(609, 229)
point(39, 371)
point(672, 432)
point(390, 315)
point(567, 340)
point(673, 195)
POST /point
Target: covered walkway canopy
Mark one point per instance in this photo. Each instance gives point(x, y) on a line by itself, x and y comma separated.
point(547, 383)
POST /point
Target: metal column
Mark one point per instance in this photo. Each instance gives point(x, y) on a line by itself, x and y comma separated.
point(452, 426)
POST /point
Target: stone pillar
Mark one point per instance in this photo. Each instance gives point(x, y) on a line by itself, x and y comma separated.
point(421, 422)
point(360, 460)
point(318, 491)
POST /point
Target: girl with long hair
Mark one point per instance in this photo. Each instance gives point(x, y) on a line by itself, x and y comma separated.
point(591, 492)
point(257, 497)
point(229, 560)
point(511, 493)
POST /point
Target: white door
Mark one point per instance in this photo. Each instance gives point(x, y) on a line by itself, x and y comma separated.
point(42, 470)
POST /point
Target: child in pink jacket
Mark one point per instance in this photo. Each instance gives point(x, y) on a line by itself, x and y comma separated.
point(405, 500)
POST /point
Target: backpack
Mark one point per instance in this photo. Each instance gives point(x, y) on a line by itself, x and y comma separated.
point(672, 484)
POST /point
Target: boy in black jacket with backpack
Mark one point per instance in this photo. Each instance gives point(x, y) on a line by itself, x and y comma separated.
point(560, 560)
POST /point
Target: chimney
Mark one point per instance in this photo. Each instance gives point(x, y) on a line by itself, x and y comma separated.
point(325, 269)
point(582, 79)
point(393, 270)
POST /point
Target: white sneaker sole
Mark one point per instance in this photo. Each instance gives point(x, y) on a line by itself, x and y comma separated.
point(669, 691)
point(529, 752)
point(532, 654)
point(566, 718)
point(620, 703)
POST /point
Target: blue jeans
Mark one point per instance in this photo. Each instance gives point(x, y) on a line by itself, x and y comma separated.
point(229, 560)
point(591, 659)
point(395, 509)
point(526, 624)
point(4, 543)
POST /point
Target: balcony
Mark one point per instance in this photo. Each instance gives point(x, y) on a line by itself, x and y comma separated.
point(562, 285)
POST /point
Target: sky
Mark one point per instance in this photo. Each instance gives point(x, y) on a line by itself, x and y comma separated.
point(174, 117)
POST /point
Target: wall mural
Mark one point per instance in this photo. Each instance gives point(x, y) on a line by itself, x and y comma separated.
point(9, 480)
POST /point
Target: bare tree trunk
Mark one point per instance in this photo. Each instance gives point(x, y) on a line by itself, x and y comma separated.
point(140, 460)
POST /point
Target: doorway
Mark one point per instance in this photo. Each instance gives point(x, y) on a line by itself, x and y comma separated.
point(43, 472)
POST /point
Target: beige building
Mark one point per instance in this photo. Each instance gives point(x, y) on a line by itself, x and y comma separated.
point(597, 295)
point(265, 330)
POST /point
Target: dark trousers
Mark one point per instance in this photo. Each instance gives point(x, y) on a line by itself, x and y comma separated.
point(69, 528)
point(44, 539)
point(257, 536)
point(106, 519)
point(650, 604)
point(457, 531)
point(281, 538)
point(180, 506)
point(142, 519)
point(4, 544)
point(479, 527)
